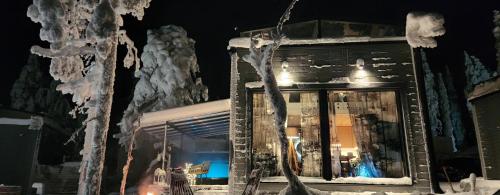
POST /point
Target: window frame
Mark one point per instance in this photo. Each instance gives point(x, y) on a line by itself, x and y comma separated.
point(322, 90)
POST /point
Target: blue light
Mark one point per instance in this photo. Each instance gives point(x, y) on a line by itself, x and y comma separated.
point(366, 168)
point(219, 164)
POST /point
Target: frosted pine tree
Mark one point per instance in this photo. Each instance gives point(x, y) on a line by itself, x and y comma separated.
point(445, 111)
point(23, 95)
point(84, 36)
point(34, 91)
point(167, 79)
point(455, 111)
point(432, 98)
point(475, 72)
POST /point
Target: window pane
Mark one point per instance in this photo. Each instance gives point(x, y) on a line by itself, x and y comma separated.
point(364, 134)
point(303, 131)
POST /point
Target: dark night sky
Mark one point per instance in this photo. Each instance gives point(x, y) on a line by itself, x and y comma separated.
point(213, 23)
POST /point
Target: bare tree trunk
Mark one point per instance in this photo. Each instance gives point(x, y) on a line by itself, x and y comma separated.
point(97, 130)
point(260, 59)
point(127, 164)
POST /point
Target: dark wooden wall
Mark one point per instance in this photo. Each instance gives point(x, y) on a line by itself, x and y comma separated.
point(389, 64)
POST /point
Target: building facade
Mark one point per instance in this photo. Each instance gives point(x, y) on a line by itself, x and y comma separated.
point(354, 111)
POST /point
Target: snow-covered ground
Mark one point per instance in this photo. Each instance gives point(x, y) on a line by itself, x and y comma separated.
point(345, 180)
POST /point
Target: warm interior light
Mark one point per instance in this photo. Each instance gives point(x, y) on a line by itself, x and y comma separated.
point(149, 193)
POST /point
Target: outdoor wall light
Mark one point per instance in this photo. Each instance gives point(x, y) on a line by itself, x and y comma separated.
point(284, 78)
point(360, 63)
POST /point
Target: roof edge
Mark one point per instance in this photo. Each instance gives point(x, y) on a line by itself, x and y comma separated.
point(244, 42)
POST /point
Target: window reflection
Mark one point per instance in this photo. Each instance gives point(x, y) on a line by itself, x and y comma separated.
point(364, 134)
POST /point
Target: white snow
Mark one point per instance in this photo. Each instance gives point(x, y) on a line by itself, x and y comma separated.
point(244, 42)
point(421, 28)
point(159, 117)
point(15, 121)
point(345, 180)
point(167, 79)
point(83, 37)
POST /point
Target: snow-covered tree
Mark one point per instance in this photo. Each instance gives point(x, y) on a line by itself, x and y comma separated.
point(33, 91)
point(83, 37)
point(475, 72)
point(421, 28)
point(455, 110)
point(445, 111)
point(167, 79)
point(432, 98)
point(261, 60)
point(23, 95)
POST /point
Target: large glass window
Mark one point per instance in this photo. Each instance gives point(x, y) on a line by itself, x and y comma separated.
point(302, 128)
point(365, 137)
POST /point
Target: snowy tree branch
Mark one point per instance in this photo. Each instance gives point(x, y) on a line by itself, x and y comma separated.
point(77, 132)
point(63, 52)
point(131, 57)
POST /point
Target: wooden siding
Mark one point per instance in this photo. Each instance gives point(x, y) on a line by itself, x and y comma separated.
point(390, 64)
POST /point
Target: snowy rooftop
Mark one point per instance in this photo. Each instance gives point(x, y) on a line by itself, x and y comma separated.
point(323, 32)
point(198, 120)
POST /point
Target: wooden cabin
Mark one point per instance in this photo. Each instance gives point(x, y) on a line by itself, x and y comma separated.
point(355, 111)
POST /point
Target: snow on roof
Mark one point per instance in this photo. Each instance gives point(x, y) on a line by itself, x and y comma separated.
point(244, 42)
point(160, 117)
point(488, 87)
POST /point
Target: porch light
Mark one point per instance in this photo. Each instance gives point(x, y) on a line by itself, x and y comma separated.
point(360, 63)
point(361, 75)
point(284, 78)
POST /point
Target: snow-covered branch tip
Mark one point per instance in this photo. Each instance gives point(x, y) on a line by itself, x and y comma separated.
point(279, 28)
point(421, 28)
point(75, 134)
point(259, 56)
point(63, 52)
point(131, 57)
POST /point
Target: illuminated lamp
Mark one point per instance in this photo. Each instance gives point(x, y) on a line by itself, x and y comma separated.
point(284, 78)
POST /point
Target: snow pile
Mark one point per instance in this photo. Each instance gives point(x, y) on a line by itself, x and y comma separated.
point(167, 78)
point(345, 180)
point(473, 186)
point(421, 28)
